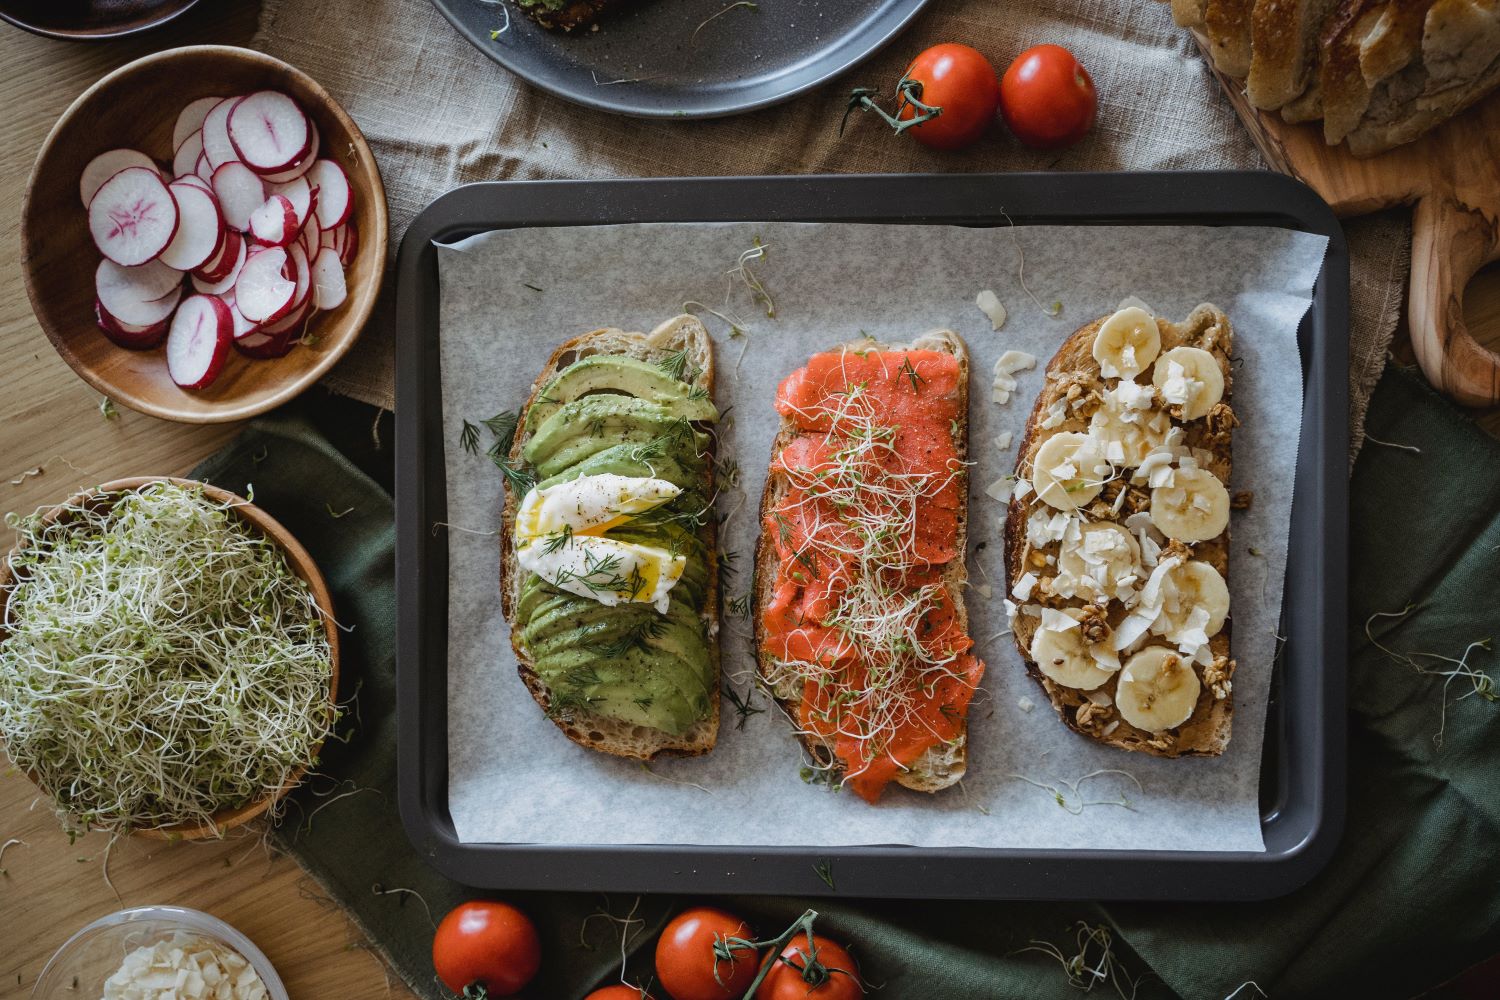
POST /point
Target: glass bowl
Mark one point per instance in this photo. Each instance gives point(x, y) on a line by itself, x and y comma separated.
point(88, 958)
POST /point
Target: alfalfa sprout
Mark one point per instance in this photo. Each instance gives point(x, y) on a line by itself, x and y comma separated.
point(162, 661)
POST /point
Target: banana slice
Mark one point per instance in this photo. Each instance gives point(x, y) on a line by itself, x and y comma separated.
point(1158, 690)
point(1194, 508)
point(1194, 597)
point(1068, 471)
point(1100, 559)
point(1127, 343)
point(1062, 655)
point(1189, 377)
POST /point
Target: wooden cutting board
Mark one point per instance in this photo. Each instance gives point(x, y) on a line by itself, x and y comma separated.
point(1452, 178)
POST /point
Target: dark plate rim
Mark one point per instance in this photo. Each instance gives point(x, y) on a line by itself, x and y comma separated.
point(826, 70)
point(1306, 739)
point(97, 36)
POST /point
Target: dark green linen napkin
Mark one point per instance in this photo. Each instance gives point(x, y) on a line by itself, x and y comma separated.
point(1412, 897)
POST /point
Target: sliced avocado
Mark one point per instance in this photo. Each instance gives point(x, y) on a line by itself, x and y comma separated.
point(677, 466)
point(625, 376)
point(587, 426)
point(668, 711)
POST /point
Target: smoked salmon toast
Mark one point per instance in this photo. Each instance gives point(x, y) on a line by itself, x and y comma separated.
point(861, 629)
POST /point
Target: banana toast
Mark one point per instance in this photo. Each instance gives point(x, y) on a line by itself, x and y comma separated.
point(1117, 540)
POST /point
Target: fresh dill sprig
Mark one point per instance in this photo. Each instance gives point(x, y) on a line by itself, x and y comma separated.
point(917, 381)
point(824, 868)
point(676, 365)
point(468, 438)
point(557, 542)
point(744, 704)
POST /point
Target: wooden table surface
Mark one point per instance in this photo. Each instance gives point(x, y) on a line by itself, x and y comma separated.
point(51, 420)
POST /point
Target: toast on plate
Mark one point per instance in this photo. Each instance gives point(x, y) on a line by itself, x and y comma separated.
point(861, 628)
point(1117, 540)
point(608, 572)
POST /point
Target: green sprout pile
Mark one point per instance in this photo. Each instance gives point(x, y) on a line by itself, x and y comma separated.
point(159, 661)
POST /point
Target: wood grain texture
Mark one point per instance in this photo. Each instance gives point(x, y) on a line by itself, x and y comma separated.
point(135, 108)
point(1452, 176)
point(49, 419)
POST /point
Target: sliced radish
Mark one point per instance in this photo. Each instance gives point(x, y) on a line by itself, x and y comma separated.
point(299, 193)
point(133, 216)
point(204, 169)
point(242, 327)
point(104, 166)
point(301, 274)
point(230, 256)
point(301, 167)
point(269, 131)
point(311, 237)
point(329, 289)
point(137, 296)
point(293, 322)
point(275, 222)
point(240, 192)
point(264, 346)
point(226, 279)
point(334, 198)
point(196, 181)
point(216, 144)
point(199, 341)
point(190, 119)
point(200, 229)
point(185, 159)
point(129, 335)
point(266, 289)
point(348, 242)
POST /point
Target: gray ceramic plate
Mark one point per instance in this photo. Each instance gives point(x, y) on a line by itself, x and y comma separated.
point(666, 59)
point(90, 20)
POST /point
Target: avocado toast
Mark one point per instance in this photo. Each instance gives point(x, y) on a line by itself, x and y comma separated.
point(608, 566)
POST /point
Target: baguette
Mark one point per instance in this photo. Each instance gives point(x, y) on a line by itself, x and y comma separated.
point(1072, 400)
point(586, 728)
point(943, 764)
point(1284, 46)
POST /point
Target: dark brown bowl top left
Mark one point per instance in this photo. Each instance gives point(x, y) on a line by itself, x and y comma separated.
point(91, 20)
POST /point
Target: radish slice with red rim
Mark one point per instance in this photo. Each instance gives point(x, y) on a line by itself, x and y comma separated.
point(302, 166)
point(200, 229)
point(329, 288)
point(190, 118)
point(301, 274)
point(216, 144)
point(240, 192)
point(198, 342)
point(227, 261)
point(227, 279)
point(334, 197)
point(185, 159)
point(275, 222)
point(128, 335)
point(299, 193)
point(137, 296)
point(348, 244)
point(266, 289)
point(104, 166)
point(269, 131)
point(133, 216)
point(196, 181)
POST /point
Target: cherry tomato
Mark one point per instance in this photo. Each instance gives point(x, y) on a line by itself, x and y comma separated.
point(493, 945)
point(833, 974)
point(1048, 98)
point(685, 962)
point(619, 991)
point(961, 81)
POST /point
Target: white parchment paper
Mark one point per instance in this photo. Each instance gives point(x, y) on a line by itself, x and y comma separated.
point(509, 297)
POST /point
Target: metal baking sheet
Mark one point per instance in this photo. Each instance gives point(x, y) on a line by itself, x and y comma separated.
point(686, 58)
point(1302, 779)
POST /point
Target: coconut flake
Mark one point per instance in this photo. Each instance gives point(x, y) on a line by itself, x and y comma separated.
point(1057, 621)
point(1002, 440)
point(1024, 586)
point(999, 490)
point(989, 304)
point(1025, 704)
point(1015, 361)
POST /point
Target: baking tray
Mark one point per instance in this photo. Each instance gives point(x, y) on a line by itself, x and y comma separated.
point(1303, 771)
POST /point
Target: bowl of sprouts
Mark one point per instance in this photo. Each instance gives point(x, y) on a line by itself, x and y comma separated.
point(168, 658)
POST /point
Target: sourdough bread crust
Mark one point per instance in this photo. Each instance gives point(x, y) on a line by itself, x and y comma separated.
point(940, 766)
point(1207, 731)
point(586, 728)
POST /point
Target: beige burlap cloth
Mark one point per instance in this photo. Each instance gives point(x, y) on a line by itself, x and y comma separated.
point(439, 114)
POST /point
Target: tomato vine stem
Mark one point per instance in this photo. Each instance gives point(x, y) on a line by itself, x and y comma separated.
point(813, 972)
point(910, 93)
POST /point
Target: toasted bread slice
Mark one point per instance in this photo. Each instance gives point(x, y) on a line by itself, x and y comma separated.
point(1187, 13)
point(942, 765)
point(1367, 42)
point(1226, 25)
point(567, 15)
point(1284, 46)
point(682, 333)
point(1207, 730)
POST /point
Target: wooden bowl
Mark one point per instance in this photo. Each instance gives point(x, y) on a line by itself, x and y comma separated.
point(297, 559)
point(136, 107)
point(91, 20)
